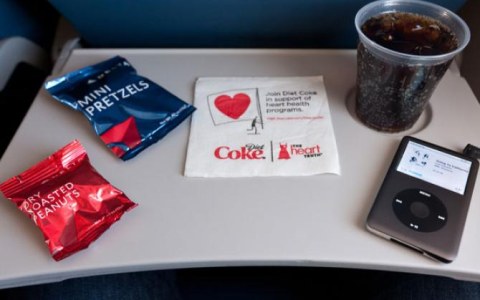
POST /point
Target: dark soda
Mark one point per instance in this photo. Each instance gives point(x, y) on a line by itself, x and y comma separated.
point(392, 95)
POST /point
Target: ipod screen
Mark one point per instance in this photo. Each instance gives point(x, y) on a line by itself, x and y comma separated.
point(436, 167)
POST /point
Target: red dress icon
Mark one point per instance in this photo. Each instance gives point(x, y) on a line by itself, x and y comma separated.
point(283, 154)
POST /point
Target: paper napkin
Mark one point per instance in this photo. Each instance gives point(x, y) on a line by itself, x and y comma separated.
point(261, 127)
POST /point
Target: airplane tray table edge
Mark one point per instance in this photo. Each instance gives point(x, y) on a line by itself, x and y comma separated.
point(287, 221)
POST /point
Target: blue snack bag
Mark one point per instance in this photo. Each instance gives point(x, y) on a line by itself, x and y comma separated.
point(129, 112)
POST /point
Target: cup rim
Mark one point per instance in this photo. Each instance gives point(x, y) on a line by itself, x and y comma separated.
point(401, 55)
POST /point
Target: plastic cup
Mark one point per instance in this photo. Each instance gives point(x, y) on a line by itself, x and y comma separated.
point(394, 87)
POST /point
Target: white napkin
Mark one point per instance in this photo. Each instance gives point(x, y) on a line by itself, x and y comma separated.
point(261, 127)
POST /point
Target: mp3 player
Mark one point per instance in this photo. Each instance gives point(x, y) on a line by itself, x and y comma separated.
point(424, 199)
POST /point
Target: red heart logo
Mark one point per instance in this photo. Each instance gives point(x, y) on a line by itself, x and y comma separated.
point(233, 107)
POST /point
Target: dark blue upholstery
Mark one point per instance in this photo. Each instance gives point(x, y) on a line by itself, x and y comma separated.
point(217, 23)
point(33, 20)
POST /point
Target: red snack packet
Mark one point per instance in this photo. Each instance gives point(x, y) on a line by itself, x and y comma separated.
point(68, 200)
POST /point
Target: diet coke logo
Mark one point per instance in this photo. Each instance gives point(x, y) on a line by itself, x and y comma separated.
point(247, 152)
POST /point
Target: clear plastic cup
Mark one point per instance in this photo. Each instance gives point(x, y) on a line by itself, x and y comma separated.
point(393, 87)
